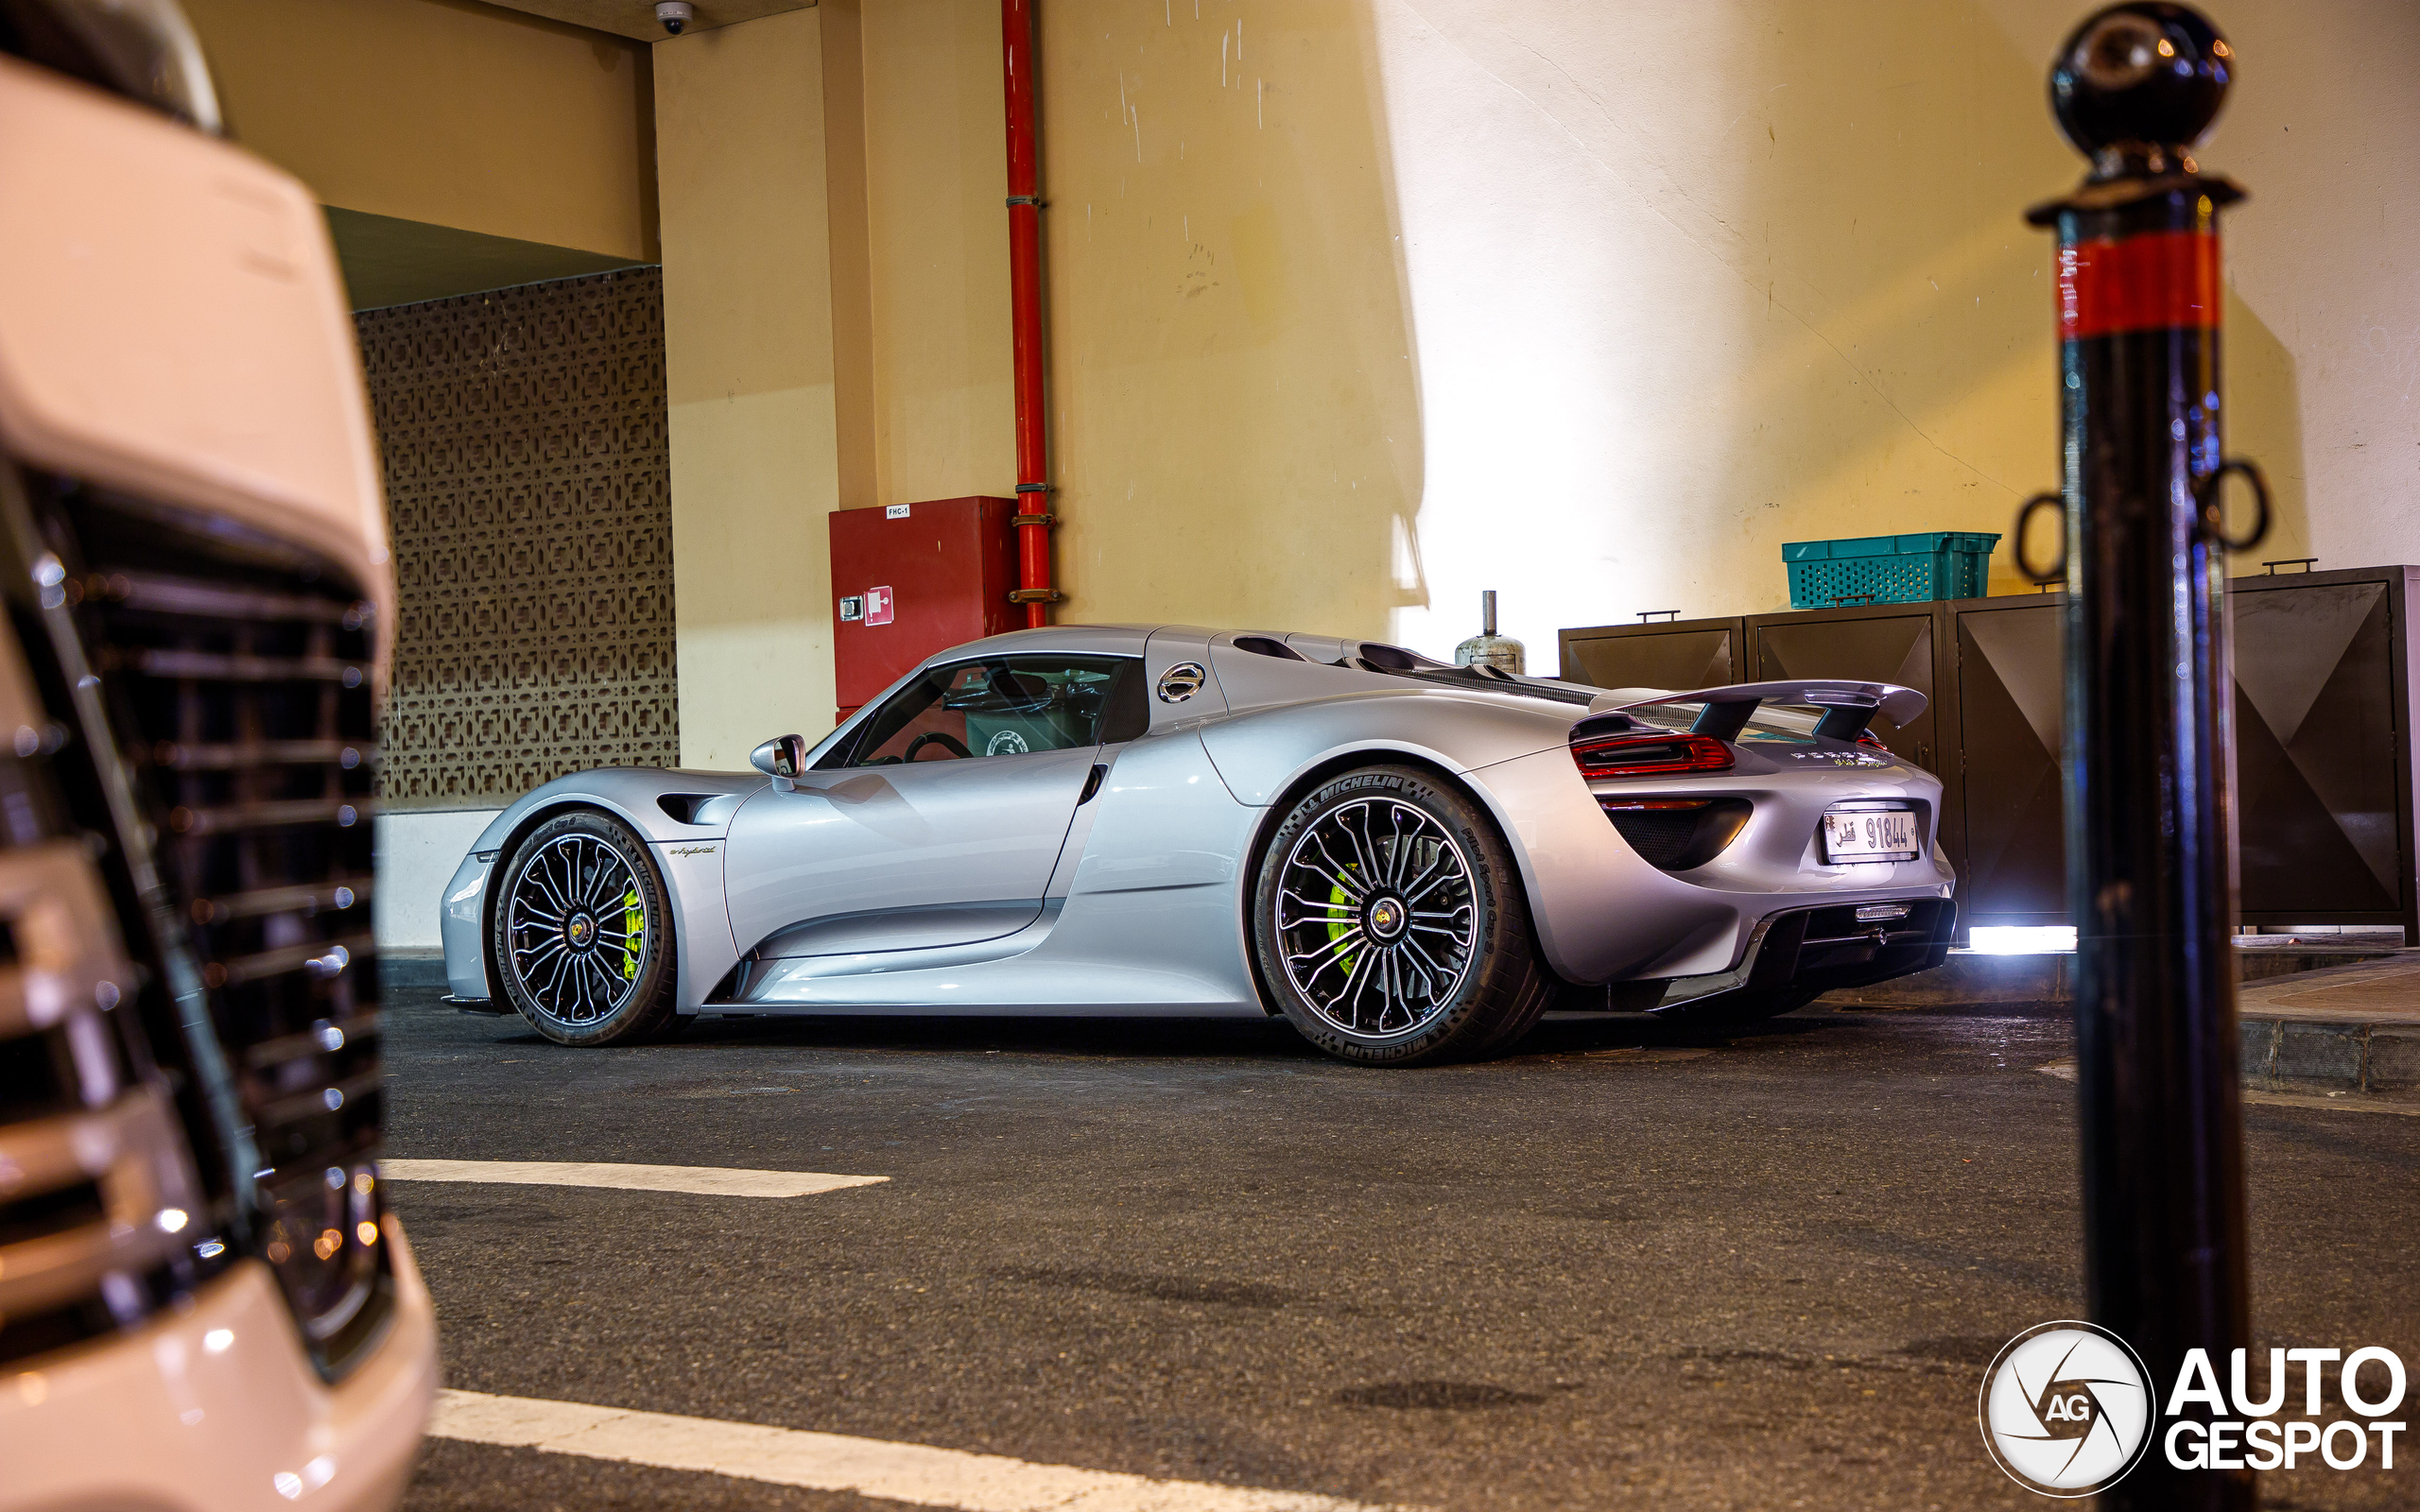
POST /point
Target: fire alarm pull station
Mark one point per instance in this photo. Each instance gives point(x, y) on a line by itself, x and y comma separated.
point(923, 577)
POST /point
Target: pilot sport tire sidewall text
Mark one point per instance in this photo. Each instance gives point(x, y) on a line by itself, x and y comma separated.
point(1505, 988)
point(646, 1012)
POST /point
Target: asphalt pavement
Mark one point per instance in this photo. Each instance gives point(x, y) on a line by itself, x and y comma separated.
point(1627, 1267)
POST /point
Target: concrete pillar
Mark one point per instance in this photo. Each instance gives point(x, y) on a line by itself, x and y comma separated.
point(741, 172)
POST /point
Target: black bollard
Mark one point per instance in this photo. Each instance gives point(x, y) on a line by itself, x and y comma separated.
point(2150, 740)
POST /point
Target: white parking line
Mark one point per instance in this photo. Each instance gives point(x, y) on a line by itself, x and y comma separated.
point(711, 1180)
point(835, 1462)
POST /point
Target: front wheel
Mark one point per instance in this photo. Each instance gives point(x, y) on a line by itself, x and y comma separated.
point(1390, 923)
point(583, 938)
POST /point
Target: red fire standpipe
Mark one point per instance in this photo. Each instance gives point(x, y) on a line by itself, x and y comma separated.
point(1033, 517)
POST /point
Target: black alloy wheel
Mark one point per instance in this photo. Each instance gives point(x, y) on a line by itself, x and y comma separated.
point(1390, 922)
point(581, 936)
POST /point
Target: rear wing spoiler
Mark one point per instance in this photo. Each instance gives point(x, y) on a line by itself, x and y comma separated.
point(1848, 706)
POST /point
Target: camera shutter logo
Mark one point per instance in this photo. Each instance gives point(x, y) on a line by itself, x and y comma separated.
point(2066, 1409)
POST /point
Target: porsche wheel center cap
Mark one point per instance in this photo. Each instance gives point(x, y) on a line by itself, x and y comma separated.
point(581, 931)
point(1386, 916)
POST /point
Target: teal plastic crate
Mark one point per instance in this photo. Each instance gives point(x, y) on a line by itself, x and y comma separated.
point(1889, 569)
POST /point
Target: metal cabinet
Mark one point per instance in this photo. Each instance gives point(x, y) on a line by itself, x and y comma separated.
point(1699, 654)
point(1872, 645)
point(2011, 711)
point(2322, 717)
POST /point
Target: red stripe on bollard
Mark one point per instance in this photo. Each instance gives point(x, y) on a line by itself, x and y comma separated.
point(2164, 281)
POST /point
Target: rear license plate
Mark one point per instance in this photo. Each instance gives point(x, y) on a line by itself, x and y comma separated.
point(1874, 834)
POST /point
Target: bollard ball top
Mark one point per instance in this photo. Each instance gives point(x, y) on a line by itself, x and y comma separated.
point(2145, 74)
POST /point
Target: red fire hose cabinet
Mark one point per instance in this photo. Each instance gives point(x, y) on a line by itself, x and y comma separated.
point(910, 580)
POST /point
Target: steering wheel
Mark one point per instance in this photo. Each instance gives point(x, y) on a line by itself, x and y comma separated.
point(934, 737)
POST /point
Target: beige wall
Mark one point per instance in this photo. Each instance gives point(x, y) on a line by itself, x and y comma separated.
point(747, 360)
point(1360, 306)
point(2323, 262)
point(447, 112)
point(1236, 429)
point(935, 188)
point(1690, 282)
point(841, 26)
point(1237, 397)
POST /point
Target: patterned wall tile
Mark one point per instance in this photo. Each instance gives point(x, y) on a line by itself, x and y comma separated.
point(527, 487)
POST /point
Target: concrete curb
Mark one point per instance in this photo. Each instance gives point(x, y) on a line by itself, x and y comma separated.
point(2353, 1028)
point(2043, 984)
point(2323, 1020)
point(2281, 1055)
point(411, 969)
point(2305, 1095)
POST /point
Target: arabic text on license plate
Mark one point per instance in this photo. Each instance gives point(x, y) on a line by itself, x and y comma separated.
point(1882, 833)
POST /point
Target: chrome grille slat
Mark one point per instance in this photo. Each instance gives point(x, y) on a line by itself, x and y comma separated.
point(162, 593)
point(314, 1104)
point(52, 1210)
point(53, 906)
point(262, 754)
point(240, 818)
point(121, 1149)
point(332, 898)
point(217, 667)
point(312, 1041)
point(263, 964)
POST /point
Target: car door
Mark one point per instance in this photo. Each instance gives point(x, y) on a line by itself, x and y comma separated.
point(938, 824)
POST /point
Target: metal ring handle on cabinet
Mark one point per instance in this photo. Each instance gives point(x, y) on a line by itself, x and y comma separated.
point(2057, 570)
point(2214, 524)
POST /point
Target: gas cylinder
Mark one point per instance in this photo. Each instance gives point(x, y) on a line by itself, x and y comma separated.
point(1489, 650)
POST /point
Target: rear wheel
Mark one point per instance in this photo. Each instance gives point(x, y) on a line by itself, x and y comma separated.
point(1390, 922)
point(583, 938)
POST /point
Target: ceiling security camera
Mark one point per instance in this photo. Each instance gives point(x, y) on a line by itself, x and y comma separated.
point(675, 14)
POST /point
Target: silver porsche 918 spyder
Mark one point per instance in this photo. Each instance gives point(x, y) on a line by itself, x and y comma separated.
point(1408, 860)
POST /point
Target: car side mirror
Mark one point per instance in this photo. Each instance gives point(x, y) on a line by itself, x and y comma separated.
point(781, 756)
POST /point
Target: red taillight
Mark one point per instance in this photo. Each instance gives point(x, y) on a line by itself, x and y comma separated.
point(1867, 737)
point(1650, 755)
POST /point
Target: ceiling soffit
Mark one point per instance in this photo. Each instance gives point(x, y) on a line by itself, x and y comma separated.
point(636, 18)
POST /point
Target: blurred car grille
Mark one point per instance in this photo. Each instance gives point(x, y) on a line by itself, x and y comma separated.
point(231, 680)
point(95, 1189)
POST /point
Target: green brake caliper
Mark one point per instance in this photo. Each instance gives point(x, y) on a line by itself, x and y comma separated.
point(633, 933)
point(1338, 925)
